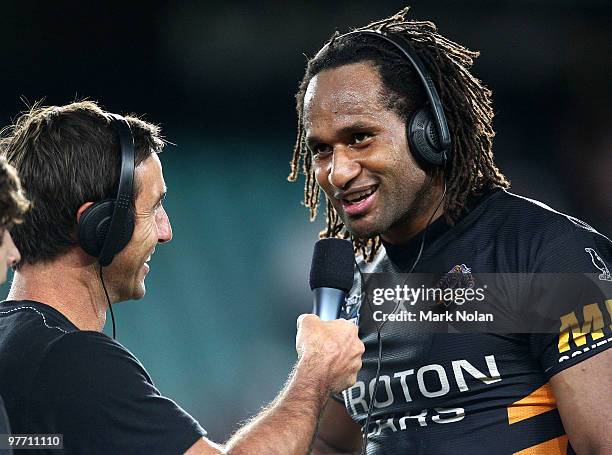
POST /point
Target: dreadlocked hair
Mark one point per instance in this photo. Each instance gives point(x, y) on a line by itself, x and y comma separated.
point(466, 100)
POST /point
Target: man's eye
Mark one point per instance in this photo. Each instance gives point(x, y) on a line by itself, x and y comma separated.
point(358, 138)
point(320, 149)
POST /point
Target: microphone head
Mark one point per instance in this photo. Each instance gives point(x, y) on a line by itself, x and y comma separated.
point(332, 265)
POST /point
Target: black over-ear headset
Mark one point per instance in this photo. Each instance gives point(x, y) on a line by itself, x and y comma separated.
point(106, 227)
point(427, 130)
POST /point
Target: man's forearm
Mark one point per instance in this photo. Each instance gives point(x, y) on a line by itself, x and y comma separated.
point(330, 357)
point(287, 426)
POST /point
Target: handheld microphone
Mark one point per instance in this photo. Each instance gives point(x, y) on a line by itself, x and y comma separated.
point(331, 276)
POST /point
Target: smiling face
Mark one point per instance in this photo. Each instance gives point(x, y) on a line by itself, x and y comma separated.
point(360, 155)
point(126, 275)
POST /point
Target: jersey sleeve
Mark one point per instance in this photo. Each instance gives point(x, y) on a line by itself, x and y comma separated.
point(572, 289)
point(99, 396)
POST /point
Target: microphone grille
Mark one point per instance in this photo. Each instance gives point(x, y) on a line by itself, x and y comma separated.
point(332, 265)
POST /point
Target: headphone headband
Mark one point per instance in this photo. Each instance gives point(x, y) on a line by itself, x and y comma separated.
point(125, 191)
point(402, 44)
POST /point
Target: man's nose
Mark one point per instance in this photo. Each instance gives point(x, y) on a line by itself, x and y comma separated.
point(343, 168)
point(164, 228)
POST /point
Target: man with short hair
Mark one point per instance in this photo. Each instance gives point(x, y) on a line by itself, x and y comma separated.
point(397, 132)
point(97, 188)
point(13, 206)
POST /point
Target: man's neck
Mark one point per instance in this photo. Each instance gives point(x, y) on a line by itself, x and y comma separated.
point(66, 284)
point(416, 222)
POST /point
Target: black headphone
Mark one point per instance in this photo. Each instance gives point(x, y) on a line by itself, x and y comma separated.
point(106, 227)
point(427, 130)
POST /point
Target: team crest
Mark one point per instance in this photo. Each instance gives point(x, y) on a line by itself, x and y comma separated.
point(600, 264)
point(460, 276)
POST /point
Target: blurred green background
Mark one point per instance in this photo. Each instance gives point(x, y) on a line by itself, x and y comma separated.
point(216, 328)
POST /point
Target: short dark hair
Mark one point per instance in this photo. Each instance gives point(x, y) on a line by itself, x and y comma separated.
point(66, 156)
point(13, 203)
point(466, 100)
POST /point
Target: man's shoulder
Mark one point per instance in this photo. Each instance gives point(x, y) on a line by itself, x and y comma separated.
point(32, 331)
point(27, 331)
point(88, 343)
point(532, 217)
point(88, 354)
point(33, 319)
point(552, 236)
point(41, 343)
point(85, 366)
point(86, 376)
point(45, 358)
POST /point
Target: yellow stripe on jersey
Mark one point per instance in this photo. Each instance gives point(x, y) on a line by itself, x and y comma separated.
point(538, 402)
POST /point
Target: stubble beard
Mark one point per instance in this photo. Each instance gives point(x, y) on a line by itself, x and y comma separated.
point(422, 203)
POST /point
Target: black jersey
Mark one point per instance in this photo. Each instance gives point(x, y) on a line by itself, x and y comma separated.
point(57, 379)
point(483, 393)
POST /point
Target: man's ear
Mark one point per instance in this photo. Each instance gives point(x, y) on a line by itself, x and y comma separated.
point(82, 209)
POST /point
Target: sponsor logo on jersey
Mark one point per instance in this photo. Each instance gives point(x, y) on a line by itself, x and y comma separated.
point(600, 264)
point(572, 334)
point(416, 384)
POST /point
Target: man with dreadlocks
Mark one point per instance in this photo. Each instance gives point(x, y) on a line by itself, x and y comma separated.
point(447, 208)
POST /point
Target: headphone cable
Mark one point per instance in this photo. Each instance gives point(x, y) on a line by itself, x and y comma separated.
point(380, 327)
point(110, 307)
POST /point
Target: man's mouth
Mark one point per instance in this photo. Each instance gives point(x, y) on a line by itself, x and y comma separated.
point(146, 263)
point(358, 202)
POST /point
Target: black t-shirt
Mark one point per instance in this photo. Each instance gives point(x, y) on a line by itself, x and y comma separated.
point(57, 379)
point(482, 393)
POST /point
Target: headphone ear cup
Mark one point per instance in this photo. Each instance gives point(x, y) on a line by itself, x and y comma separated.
point(423, 137)
point(95, 224)
point(126, 232)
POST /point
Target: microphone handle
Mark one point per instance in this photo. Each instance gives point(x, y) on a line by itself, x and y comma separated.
point(328, 302)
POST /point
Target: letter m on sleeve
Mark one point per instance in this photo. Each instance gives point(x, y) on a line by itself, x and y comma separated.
point(593, 324)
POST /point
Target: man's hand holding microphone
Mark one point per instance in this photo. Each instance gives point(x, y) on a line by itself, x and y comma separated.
point(329, 358)
point(330, 351)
